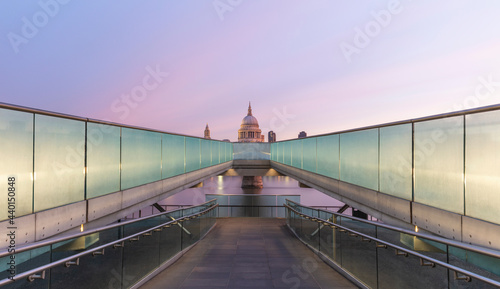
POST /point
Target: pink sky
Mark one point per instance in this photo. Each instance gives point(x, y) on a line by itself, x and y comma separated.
point(284, 56)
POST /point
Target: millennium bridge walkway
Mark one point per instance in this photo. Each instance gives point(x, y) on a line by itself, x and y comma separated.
point(432, 183)
point(249, 253)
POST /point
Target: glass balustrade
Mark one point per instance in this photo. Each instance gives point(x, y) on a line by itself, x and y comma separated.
point(116, 256)
point(263, 206)
point(382, 256)
point(450, 162)
point(57, 160)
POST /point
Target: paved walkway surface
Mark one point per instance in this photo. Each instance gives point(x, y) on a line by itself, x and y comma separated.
point(249, 253)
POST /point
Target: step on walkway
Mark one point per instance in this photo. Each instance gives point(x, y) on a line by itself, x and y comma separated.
point(249, 253)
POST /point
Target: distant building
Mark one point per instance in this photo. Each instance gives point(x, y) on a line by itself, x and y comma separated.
point(271, 136)
point(302, 134)
point(249, 130)
point(207, 132)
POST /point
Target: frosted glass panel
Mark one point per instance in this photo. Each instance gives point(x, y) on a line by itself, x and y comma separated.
point(103, 159)
point(482, 157)
point(230, 151)
point(273, 151)
point(206, 153)
point(276, 152)
point(297, 153)
point(282, 149)
point(396, 161)
point(359, 158)
point(439, 163)
point(222, 153)
point(59, 161)
point(309, 154)
point(192, 154)
point(141, 157)
point(251, 151)
point(287, 153)
point(328, 155)
point(172, 155)
point(279, 152)
point(16, 155)
point(216, 153)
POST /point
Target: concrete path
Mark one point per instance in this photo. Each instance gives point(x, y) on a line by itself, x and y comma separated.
point(249, 253)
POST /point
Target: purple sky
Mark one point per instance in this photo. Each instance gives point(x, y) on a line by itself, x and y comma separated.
point(318, 66)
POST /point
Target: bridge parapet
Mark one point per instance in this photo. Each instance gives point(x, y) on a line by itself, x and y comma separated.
point(439, 173)
point(62, 171)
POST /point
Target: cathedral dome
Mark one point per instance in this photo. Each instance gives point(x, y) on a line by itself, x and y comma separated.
point(250, 120)
point(249, 130)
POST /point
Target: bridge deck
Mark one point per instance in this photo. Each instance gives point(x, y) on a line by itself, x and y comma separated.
point(249, 253)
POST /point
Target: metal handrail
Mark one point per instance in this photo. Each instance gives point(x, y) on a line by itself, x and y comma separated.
point(99, 249)
point(80, 118)
point(469, 247)
point(51, 241)
point(385, 244)
point(409, 121)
